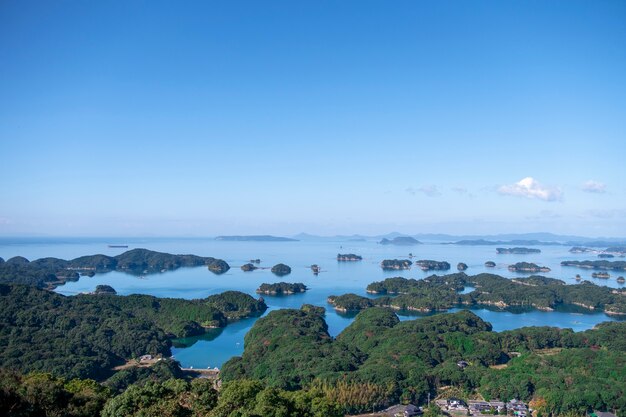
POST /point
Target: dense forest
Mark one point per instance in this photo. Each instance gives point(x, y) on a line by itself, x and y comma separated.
point(603, 264)
point(281, 288)
point(50, 272)
point(85, 336)
point(437, 293)
point(378, 360)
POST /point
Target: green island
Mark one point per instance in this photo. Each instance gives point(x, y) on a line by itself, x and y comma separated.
point(517, 251)
point(461, 266)
point(86, 336)
point(348, 257)
point(608, 265)
point(248, 267)
point(51, 272)
point(279, 288)
point(528, 267)
point(428, 265)
point(391, 264)
point(490, 264)
point(281, 270)
point(440, 293)
point(378, 361)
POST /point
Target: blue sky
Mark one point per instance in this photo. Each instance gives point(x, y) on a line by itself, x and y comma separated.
point(205, 118)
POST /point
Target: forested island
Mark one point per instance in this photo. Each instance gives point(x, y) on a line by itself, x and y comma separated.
point(517, 251)
point(51, 272)
point(490, 264)
point(391, 264)
point(528, 267)
point(378, 361)
point(429, 265)
point(608, 265)
point(85, 336)
point(279, 288)
point(461, 266)
point(348, 257)
point(440, 293)
point(248, 267)
point(281, 270)
point(400, 241)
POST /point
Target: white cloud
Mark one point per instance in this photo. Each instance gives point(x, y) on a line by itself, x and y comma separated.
point(429, 190)
point(531, 188)
point(592, 186)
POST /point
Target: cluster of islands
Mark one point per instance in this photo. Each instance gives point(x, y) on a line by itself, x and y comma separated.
point(107, 354)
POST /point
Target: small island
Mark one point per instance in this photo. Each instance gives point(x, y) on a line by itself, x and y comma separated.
point(391, 264)
point(603, 275)
point(348, 257)
point(104, 289)
point(400, 241)
point(528, 267)
point(461, 266)
point(606, 255)
point(316, 269)
point(281, 270)
point(490, 264)
point(517, 251)
point(428, 265)
point(621, 280)
point(248, 267)
point(281, 288)
point(218, 266)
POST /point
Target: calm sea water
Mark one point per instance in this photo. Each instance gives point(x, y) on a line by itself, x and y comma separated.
point(215, 347)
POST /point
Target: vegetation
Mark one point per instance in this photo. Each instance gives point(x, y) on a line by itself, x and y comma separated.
point(461, 266)
point(528, 267)
point(104, 289)
point(378, 360)
point(50, 272)
point(348, 257)
point(396, 264)
point(248, 267)
point(437, 293)
point(218, 266)
point(85, 336)
point(517, 251)
point(281, 288)
point(609, 265)
point(281, 270)
point(428, 265)
point(490, 264)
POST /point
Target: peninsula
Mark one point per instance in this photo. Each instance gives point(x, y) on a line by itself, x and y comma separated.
point(51, 272)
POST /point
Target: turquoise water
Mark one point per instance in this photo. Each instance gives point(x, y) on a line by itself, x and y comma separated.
point(214, 348)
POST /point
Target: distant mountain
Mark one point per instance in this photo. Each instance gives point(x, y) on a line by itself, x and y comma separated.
point(256, 238)
point(401, 241)
point(500, 242)
point(539, 238)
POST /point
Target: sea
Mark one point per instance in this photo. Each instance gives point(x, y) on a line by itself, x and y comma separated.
point(217, 346)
